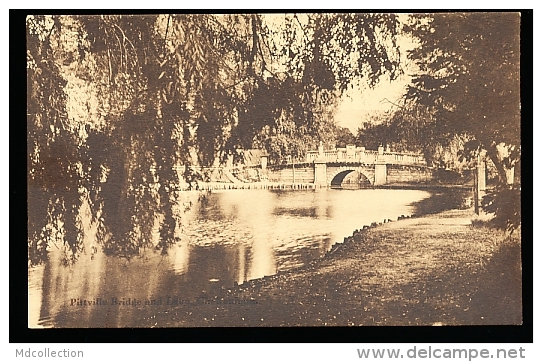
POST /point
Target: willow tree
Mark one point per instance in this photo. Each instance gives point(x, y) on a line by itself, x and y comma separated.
point(52, 148)
point(157, 91)
point(313, 59)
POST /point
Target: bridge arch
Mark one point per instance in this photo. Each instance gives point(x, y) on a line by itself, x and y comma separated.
point(337, 177)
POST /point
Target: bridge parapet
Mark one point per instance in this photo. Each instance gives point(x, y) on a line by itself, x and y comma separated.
point(360, 154)
point(399, 158)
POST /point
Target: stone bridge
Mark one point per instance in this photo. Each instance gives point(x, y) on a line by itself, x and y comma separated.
point(353, 165)
point(340, 166)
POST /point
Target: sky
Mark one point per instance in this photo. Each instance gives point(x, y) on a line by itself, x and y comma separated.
point(357, 105)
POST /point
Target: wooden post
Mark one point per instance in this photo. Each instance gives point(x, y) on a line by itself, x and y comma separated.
point(293, 171)
point(510, 176)
point(476, 192)
point(479, 182)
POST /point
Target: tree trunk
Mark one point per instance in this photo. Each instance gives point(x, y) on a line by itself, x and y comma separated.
point(493, 156)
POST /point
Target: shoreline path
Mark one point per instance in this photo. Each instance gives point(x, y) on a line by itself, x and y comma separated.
point(438, 269)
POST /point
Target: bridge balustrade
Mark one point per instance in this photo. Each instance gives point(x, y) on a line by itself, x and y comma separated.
point(402, 158)
point(366, 156)
point(311, 156)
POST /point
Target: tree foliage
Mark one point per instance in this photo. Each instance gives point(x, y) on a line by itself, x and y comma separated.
point(344, 137)
point(115, 101)
point(469, 76)
point(52, 149)
point(413, 128)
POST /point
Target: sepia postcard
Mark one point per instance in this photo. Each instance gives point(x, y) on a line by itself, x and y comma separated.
point(297, 169)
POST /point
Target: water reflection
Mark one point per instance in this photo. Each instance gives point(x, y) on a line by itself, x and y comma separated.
point(253, 215)
point(229, 237)
point(180, 256)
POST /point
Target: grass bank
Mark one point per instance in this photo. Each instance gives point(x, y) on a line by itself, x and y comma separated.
point(439, 269)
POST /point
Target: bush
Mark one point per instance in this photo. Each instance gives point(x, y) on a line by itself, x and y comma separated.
point(504, 201)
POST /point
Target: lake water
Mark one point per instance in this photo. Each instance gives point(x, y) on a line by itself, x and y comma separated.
point(226, 239)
